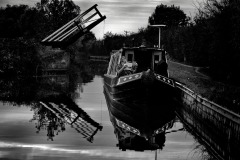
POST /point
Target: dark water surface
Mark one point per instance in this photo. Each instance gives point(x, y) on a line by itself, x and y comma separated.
point(66, 117)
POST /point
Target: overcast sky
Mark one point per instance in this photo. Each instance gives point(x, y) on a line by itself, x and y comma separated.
point(122, 15)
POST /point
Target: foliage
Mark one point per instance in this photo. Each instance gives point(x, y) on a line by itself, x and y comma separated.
point(18, 57)
point(171, 16)
point(57, 13)
point(110, 42)
point(212, 41)
point(9, 21)
point(222, 21)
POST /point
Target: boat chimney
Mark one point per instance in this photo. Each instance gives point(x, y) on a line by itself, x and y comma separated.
point(159, 32)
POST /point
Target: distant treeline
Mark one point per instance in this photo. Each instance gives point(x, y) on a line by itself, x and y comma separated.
point(211, 39)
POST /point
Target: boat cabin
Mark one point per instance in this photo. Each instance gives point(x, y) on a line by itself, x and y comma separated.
point(146, 58)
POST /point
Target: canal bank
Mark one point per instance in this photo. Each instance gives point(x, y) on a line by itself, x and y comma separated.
point(212, 125)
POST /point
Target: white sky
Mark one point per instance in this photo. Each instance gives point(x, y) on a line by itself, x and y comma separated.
point(122, 15)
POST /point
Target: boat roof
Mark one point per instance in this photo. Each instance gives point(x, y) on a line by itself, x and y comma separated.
point(142, 48)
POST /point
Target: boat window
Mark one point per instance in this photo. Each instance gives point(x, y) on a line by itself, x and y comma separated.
point(129, 56)
point(156, 58)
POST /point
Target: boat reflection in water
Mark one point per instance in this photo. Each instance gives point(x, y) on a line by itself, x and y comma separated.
point(141, 127)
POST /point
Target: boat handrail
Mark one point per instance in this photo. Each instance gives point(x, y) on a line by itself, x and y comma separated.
point(110, 76)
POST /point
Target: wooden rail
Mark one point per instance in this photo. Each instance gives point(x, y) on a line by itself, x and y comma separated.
point(217, 127)
point(211, 105)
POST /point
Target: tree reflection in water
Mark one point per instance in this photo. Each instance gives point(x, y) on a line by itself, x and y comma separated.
point(51, 97)
point(47, 120)
point(27, 90)
point(54, 112)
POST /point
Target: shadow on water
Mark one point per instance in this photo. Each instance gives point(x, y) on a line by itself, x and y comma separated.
point(51, 96)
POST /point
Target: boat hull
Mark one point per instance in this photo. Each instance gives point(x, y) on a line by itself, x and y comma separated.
point(145, 88)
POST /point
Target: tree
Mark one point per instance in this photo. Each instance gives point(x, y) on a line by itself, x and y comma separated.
point(58, 12)
point(22, 27)
point(33, 24)
point(9, 20)
point(171, 16)
point(36, 22)
point(113, 41)
point(222, 18)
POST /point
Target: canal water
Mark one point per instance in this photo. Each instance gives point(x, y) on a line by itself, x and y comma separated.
point(65, 116)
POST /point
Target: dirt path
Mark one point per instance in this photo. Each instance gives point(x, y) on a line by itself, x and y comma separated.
point(188, 68)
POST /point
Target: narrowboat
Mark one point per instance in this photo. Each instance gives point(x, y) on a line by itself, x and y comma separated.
point(144, 77)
